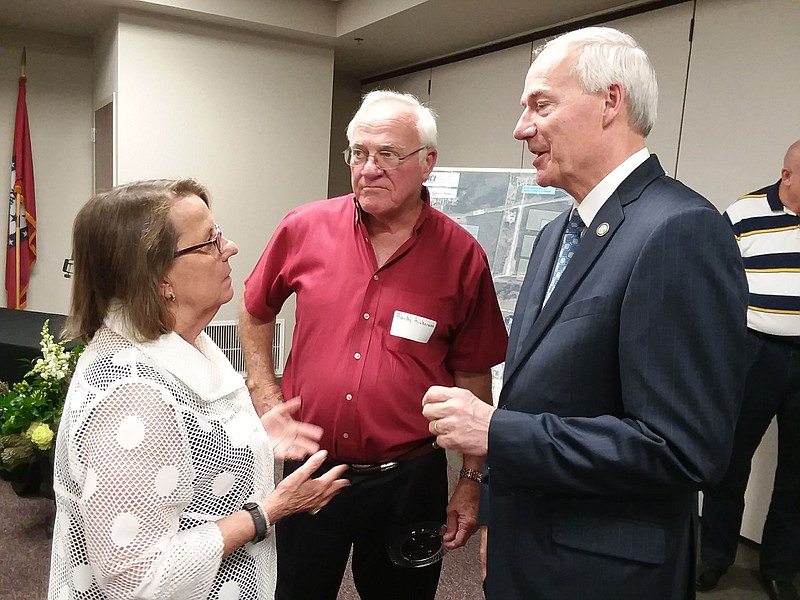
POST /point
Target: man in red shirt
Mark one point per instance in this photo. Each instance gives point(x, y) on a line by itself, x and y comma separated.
point(392, 297)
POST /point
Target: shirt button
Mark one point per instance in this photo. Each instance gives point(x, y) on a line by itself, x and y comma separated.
point(357, 355)
point(345, 435)
point(349, 397)
point(375, 277)
point(366, 315)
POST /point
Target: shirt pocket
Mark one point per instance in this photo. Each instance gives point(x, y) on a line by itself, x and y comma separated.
point(429, 308)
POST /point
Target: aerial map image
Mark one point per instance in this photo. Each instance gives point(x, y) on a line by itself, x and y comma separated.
point(504, 210)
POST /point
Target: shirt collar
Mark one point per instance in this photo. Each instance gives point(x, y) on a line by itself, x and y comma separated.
point(202, 367)
point(426, 207)
point(596, 198)
point(774, 200)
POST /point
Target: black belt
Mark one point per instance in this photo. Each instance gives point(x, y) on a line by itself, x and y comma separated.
point(789, 341)
point(373, 468)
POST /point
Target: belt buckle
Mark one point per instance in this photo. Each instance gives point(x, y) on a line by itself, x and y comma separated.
point(388, 466)
point(367, 469)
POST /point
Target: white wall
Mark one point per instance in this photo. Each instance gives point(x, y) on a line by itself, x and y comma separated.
point(59, 99)
point(247, 116)
point(106, 64)
point(478, 103)
point(416, 83)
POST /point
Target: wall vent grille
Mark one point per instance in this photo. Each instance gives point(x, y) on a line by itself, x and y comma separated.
point(226, 335)
point(278, 346)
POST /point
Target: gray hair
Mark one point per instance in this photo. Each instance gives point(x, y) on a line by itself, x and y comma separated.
point(426, 120)
point(605, 56)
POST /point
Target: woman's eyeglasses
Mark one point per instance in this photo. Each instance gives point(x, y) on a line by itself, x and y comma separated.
point(216, 240)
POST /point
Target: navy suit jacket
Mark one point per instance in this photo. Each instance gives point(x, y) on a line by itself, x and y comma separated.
point(620, 400)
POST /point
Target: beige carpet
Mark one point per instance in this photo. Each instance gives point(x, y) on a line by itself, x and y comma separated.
point(25, 555)
point(25, 559)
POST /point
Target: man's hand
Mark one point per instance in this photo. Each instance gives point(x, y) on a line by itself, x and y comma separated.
point(458, 419)
point(462, 514)
point(290, 439)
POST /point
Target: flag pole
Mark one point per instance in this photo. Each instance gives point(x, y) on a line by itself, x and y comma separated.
point(21, 253)
point(17, 193)
point(17, 250)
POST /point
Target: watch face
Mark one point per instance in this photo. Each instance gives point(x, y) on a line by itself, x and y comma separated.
point(418, 546)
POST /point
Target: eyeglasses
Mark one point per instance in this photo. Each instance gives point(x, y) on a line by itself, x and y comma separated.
point(384, 159)
point(216, 240)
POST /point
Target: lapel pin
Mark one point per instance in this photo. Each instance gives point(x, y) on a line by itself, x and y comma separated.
point(602, 229)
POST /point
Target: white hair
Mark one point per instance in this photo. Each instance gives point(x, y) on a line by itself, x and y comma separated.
point(426, 120)
point(605, 56)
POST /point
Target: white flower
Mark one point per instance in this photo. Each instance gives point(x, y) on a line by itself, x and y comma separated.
point(55, 361)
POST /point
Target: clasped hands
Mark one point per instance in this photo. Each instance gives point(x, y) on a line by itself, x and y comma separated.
point(458, 419)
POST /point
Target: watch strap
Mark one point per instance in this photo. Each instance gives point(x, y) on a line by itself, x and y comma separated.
point(260, 521)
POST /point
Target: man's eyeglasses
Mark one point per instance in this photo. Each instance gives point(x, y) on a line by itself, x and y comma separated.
point(384, 159)
point(216, 240)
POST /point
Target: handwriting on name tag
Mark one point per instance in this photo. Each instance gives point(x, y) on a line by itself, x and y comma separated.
point(412, 327)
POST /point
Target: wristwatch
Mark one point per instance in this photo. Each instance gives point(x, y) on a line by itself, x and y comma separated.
point(470, 474)
point(260, 520)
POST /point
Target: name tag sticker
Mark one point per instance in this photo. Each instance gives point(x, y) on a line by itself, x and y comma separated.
point(412, 327)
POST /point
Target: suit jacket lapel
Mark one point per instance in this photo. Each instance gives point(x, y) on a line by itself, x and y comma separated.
point(593, 242)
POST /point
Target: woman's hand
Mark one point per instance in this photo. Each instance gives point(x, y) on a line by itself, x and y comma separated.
point(290, 439)
point(299, 493)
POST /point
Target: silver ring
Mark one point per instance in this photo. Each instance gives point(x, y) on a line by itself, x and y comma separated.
point(315, 511)
point(436, 427)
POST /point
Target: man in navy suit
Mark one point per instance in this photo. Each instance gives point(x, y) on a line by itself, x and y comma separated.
point(624, 372)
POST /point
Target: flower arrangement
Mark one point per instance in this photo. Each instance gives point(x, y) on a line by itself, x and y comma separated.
point(31, 409)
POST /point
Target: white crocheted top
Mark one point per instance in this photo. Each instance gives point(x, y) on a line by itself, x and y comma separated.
point(158, 440)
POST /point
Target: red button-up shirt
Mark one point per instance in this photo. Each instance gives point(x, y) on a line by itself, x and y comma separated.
point(359, 382)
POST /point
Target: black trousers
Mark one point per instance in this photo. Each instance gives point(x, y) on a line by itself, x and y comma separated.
point(772, 389)
point(367, 517)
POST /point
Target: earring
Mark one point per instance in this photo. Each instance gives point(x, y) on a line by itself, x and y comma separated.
point(172, 296)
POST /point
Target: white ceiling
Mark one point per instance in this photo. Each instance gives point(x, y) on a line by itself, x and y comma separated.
point(393, 34)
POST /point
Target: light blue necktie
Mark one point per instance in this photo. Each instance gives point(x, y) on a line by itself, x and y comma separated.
point(572, 236)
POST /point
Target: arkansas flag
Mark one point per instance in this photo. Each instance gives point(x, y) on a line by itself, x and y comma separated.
point(21, 252)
